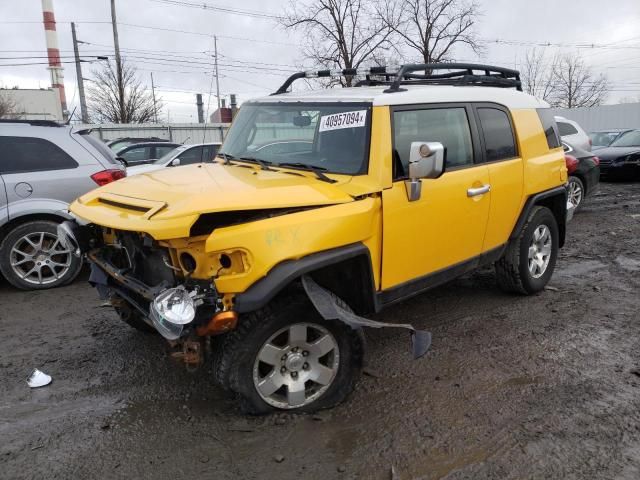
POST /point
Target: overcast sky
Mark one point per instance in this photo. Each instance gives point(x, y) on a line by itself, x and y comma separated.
point(256, 55)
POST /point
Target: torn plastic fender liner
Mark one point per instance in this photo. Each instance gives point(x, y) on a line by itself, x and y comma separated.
point(326, 305)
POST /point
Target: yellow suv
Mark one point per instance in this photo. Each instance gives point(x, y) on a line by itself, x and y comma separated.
point(321, 208)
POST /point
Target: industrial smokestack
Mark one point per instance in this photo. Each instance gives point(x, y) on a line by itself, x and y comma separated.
point(200, 105)
point(55, 67)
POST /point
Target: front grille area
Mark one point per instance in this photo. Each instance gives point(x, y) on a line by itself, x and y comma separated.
point(140, 258)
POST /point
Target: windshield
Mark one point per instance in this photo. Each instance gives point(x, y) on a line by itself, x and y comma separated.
point(602, 139)
point(167, 156)
point(629, 139)
point(331, 136)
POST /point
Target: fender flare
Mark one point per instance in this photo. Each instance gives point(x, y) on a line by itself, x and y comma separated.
point(539, 199)
point(265, 289)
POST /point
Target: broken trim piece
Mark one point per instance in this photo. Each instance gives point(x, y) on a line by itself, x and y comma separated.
point(327, 306)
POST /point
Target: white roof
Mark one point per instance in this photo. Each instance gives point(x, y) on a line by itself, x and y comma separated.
point(414, 94)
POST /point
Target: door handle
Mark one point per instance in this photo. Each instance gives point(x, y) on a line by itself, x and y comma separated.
point(474, 192)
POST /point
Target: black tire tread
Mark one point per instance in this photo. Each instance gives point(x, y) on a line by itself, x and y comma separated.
point(508, 266)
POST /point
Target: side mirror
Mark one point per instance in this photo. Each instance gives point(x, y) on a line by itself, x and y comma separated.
point(175, 162)
point(426, 160)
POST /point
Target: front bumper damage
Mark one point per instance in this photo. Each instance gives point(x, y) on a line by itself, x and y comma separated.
point(132, 272)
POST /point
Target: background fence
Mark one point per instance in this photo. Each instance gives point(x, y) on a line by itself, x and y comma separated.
point(626, 115)
point(175, 132)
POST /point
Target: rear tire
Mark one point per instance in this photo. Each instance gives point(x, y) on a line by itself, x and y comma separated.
point(32, 258)
point(575, 192)
point(529, 261)
point(322, 358)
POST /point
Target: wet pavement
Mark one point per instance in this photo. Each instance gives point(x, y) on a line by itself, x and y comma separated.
point(546, 386)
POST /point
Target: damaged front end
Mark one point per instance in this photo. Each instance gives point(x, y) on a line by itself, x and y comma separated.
point(136, 275)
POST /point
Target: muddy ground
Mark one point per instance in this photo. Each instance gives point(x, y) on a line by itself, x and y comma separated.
point(514, 387)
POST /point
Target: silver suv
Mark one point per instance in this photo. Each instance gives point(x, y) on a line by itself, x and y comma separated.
point(43, 167)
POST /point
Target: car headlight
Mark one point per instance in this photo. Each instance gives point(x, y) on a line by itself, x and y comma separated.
point(634, 158)
point(171, 311)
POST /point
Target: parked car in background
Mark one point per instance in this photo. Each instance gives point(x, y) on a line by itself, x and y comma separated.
point(182, 155)
point(584, 174)
point(573, 134)
point(621, 159)
point(43, 167)
point(604, 138)
point(146, 152)
point(120, 143)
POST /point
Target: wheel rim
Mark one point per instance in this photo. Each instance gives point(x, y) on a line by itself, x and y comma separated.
point(296, 365)
point(39, 258)
point(540, 251)
point(575, 193)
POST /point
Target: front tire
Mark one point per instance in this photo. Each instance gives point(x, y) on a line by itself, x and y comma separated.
point(32, 257)
point(287, 357)
point(528, 263)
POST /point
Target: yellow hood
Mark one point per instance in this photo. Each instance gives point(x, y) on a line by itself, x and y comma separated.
point(166, 203)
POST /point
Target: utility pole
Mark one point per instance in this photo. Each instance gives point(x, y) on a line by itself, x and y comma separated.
point(215, 52)
point(83, 103)
point(153, 93)
point(116, 45)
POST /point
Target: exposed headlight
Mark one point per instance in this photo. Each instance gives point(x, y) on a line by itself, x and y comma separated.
point(171, 310)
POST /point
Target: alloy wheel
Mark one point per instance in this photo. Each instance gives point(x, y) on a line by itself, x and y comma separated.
point(575, 193)
point(296, 365)
point(540, 251)
point(39, 258)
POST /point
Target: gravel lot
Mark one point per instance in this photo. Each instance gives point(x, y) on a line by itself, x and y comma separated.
point(514, 387)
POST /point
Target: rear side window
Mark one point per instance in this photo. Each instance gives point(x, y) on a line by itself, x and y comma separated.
point(499, 143)
point(566, 129)
point(160, 151)
point(550, 128)
point(26, 154)
point(137, 154)
point(101, 147)
point(193, 155)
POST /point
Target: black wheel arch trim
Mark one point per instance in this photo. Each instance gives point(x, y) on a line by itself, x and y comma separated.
point(283, 274)
point(538, 199)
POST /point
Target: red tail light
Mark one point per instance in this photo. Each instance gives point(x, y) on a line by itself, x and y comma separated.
point(572, 163)
point(108, 176)
point(596, 160)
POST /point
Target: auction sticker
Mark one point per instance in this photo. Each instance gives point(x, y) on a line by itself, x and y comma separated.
point(343, 120)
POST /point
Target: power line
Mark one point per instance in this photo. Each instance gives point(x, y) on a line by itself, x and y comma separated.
point(222, 9)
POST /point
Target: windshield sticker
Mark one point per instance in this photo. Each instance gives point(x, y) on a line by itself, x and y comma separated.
point(343, 120)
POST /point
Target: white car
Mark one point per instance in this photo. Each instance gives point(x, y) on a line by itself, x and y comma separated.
point(182, 155)
point(573, 134)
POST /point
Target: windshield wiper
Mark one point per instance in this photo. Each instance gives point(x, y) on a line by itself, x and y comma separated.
point(309, 168)
point(227, 157)
point(264, 164)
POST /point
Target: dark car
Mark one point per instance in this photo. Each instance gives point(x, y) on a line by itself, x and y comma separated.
point(604, 138)
point(584, 174)
point(148, 152)
point(621, 159)
point(120, 143)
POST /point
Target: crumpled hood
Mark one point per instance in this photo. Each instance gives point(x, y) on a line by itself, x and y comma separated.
point(175, 197)
point(611, 153)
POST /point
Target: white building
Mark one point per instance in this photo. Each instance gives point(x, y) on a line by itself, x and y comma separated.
point(34, 104)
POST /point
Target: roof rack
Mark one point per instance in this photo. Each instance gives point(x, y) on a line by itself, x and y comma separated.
point(35, 123)
point(462, 74)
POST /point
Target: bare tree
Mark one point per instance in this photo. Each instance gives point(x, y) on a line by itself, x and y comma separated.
point(339, 33)
point(8, 107)
point(537, 73)
point(575, 84)
point(106, 105)
point(565, 81)
point(434, 27)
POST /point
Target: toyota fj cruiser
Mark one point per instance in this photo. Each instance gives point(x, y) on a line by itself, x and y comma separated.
point(355, 198)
